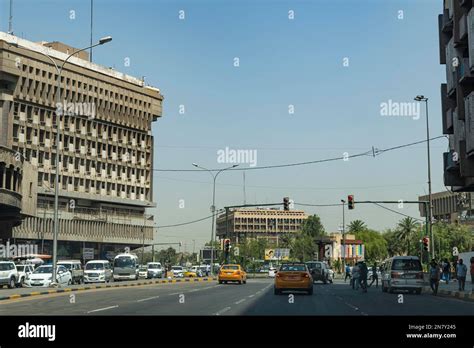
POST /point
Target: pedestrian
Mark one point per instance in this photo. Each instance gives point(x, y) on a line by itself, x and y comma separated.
point(355, 277)
point(375, 276)
point(472, 273)
point(434, 276)
point(446, 271)
point(348, 273)
point(363, 275)
point(461, 272)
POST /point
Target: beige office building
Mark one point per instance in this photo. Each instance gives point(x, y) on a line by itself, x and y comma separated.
point(244, 223)
point(106, 146)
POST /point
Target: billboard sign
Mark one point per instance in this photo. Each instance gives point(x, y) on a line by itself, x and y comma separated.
point(277, 254)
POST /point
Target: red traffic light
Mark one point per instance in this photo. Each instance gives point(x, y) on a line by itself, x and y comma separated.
point(350, 201)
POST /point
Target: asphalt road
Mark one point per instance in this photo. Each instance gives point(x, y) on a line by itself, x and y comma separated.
point(254, 298)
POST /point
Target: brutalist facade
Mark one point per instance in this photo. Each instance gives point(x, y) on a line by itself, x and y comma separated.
point(456, 42)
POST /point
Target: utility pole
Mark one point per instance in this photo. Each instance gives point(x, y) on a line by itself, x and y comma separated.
point(10, 19)
point(343, 236)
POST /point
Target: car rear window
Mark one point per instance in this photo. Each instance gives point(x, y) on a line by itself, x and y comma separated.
point(293, 268)
point(230, 267)
point(406, 265)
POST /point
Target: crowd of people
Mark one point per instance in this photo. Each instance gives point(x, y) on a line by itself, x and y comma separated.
point(358, 275)
point(442, 271)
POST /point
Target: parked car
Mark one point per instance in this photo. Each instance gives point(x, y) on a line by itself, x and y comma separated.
point(75, 267)
point(178, 271)
point(154, 270)
point(8, 274)
point(43, 276)
point(319, 271)
point(331, 275)
point(198, 271)
point(232, 273)
point(293, 276)
point(142, 271)
point(98, 271)
point(402, 273)
point(23, 272)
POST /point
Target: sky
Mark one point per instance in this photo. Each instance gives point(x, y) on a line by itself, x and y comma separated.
point(287, 81)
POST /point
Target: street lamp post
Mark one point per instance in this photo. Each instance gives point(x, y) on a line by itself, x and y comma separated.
point(59, 70)
point(430, 204)
point(213, 207)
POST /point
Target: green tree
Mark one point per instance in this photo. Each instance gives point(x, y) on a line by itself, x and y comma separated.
point(356, 226)
point(304, 248)
point(394, 247)
point(406, 229)
point(313, 227)
point(375, 245)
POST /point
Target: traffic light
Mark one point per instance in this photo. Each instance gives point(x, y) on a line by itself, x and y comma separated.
point(227, 246)
point(286, 203)
point(350, 201)
point(426, 244)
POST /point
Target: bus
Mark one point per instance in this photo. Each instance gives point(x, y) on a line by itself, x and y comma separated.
point(125, 267)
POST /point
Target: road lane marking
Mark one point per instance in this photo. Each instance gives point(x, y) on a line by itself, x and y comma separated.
point(102, 309)
point(146, 299)
point(240, 301)
point(353, 307)
point(222, 311)
point(251, 295)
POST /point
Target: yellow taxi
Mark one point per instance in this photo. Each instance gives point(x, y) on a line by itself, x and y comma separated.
point(293, 276)
point(232, 273)
point(190, 273)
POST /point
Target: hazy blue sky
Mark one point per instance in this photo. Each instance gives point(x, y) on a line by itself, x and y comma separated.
point(282, 62)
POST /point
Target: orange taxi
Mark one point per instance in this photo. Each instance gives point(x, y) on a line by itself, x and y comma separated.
point(293, 276)
point(232, 273)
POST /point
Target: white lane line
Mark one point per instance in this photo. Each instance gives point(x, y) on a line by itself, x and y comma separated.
point(146, 299)
point(353, 307)
point(222, 311)
point(175, 293)
point(251, 295)
point(208, 287)
point(240, 301)
point(102, 309)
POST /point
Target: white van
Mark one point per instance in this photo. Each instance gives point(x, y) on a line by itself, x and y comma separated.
point(98, 271)
point(75, 267)
point(402, 273)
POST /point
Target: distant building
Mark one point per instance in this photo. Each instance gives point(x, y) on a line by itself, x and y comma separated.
point(271, 224)
point(331, 248)
point(450, 207)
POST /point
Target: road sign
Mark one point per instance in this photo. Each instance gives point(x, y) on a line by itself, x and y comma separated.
point(88, 253)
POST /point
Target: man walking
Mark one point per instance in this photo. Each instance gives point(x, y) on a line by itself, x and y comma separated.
point(461, 272)
point(472, 273)
point(446, 271)
point(375, 276)
point(355, 277)
point(348, 273)
point(363, 275)
point(434, 276)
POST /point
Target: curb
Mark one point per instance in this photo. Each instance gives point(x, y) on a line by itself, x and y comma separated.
point(466, 296)
point(93, 287)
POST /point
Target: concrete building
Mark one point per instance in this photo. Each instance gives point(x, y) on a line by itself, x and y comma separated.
point(450, 207)
point(456, 43)
point(106, 146)
point(354, 248)
point(260, 223)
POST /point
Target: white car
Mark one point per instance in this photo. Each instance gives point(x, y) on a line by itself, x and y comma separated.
point(97, 271)
point(178, 271)
point(142, 272)
point(43, 276)
point(23, 272)
point(331, 275)
point(271, 272)
point(8, 274)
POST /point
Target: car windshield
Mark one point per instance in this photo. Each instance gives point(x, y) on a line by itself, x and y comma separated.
point(406, 265)
point(46, 269)
point(4, 266)
point(230, 267)
point(293, 268)
point(177, 268)
point(314, 265)
point(67, 265)
point(94, 266)
point(124, 262)
point(20, 268)
point(154, 265)
point(143, 269)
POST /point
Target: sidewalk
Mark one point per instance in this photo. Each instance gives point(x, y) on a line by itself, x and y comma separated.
point(452, 290)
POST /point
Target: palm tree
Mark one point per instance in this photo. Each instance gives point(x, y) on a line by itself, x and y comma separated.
point(405, 229)
point(357, 226)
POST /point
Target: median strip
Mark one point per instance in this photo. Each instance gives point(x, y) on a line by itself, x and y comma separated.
point(93, 287)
